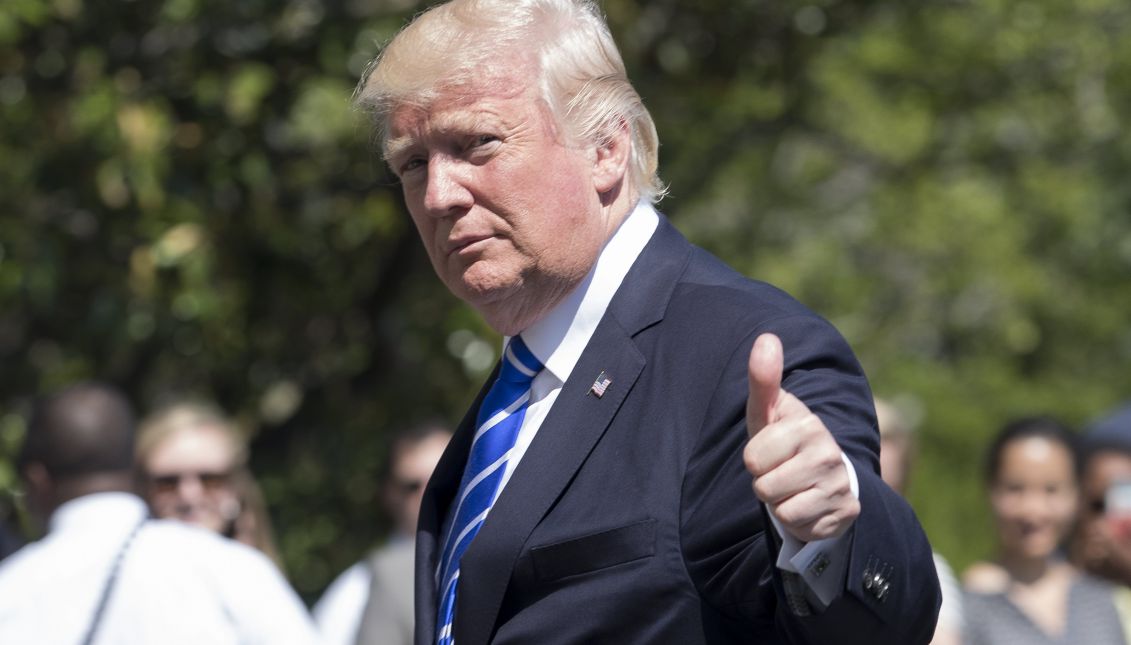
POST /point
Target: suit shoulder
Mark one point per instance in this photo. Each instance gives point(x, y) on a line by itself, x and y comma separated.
point(710, 285)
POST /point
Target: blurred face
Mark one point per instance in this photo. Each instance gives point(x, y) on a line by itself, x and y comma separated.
point(1034, 497)
point(190, 478)
point(1102, 543)
point(410, 474)
point(894, 460)
point(1103, 470)
point(506, 207)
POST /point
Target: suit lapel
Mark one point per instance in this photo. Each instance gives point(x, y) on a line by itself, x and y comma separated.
point(438, 495)
point(575, 423)
point(573, 427)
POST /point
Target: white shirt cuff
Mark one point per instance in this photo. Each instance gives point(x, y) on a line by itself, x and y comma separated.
point(821, 563)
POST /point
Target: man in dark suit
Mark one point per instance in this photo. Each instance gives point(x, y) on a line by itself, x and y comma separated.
point(668, 452)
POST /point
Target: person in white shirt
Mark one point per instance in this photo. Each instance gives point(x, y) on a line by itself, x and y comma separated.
point(371, 602)
point(105, 572)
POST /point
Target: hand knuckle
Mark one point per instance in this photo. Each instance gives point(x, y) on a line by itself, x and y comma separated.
point(763, 489)
point(813, 424)
point(750, 458)
point(786, 514)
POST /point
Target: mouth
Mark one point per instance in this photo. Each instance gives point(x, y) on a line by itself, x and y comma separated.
point(465, 243)
point(1035, 533)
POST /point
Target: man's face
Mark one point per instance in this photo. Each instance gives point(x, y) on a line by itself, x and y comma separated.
point(895, 459)
point(506, 206)
point(1102, 470)
point(1102, 544)
point(411, 471)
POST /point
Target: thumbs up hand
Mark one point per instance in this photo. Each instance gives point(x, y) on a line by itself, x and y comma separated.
point(797, 466)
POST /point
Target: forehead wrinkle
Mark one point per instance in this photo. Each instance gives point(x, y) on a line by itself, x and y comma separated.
point(456, 121)
point(463, 121)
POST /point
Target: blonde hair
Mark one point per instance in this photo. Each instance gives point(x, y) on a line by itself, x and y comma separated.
point(167, 421)
point(581, 75)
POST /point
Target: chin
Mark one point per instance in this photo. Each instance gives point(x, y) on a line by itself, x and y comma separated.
point(1038, 551)
point(485, 292)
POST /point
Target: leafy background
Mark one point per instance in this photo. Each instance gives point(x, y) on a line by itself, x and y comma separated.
point(188, 204)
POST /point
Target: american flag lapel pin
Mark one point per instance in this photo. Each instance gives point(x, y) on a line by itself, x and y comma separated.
point(601, 384)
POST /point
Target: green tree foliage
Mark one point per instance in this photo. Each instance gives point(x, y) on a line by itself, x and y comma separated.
point(192, 206)
point(946, 181)
point(189, 204)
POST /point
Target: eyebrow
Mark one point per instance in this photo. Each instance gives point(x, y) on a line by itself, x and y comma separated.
point(396, 146)
point(446, 124)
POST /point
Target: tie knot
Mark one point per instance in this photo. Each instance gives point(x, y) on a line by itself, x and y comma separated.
point(520, 365)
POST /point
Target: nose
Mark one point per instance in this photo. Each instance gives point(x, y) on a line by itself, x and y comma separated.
point(1037, 506)
point(190, 488)
point(447, 190)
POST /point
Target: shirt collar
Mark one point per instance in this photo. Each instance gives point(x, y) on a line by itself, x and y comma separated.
point(560, 337)
point(98, 509)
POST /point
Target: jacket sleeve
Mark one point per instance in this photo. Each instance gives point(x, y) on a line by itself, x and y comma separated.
point(890, 592)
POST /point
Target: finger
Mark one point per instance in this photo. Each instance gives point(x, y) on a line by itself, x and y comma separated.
point(765, 371)
point(769, 450)
point(780, 441)
point(809, 464)
point(815, 515)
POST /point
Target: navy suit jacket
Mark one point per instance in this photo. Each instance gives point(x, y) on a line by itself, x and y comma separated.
point(631, 517)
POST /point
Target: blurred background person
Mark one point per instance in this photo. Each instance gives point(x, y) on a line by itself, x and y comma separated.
point(10, 538)
point(371, 603)
point(193, 462)
point(897, 455)
point(10, 541)
point(1030, 593)
point(105, 572)
point(1102, 542)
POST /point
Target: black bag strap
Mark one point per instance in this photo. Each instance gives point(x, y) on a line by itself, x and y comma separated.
point(107, 588)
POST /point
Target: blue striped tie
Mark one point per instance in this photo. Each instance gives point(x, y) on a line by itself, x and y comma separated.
point(497, 424)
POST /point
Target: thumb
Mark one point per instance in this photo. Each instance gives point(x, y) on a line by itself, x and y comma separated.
point(765, 382)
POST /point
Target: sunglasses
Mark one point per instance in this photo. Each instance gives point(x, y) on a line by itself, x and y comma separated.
point(407, 486)
point(170, 482)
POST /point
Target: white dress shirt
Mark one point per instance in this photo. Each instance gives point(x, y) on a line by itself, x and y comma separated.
point(338, 612)
point(559, 339)
point(177, 584)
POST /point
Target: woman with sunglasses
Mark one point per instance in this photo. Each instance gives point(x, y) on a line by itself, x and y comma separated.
point(194, 469)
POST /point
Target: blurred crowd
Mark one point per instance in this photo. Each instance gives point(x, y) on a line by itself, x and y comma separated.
point(1061, 507)
point(156, 531)
point(165, 517)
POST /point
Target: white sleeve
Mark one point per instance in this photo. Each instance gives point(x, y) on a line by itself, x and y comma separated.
point(950, 614)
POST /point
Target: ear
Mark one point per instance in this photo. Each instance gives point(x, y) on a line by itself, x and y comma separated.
point(40, 491)
point(37, 478)
point(611, 163)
